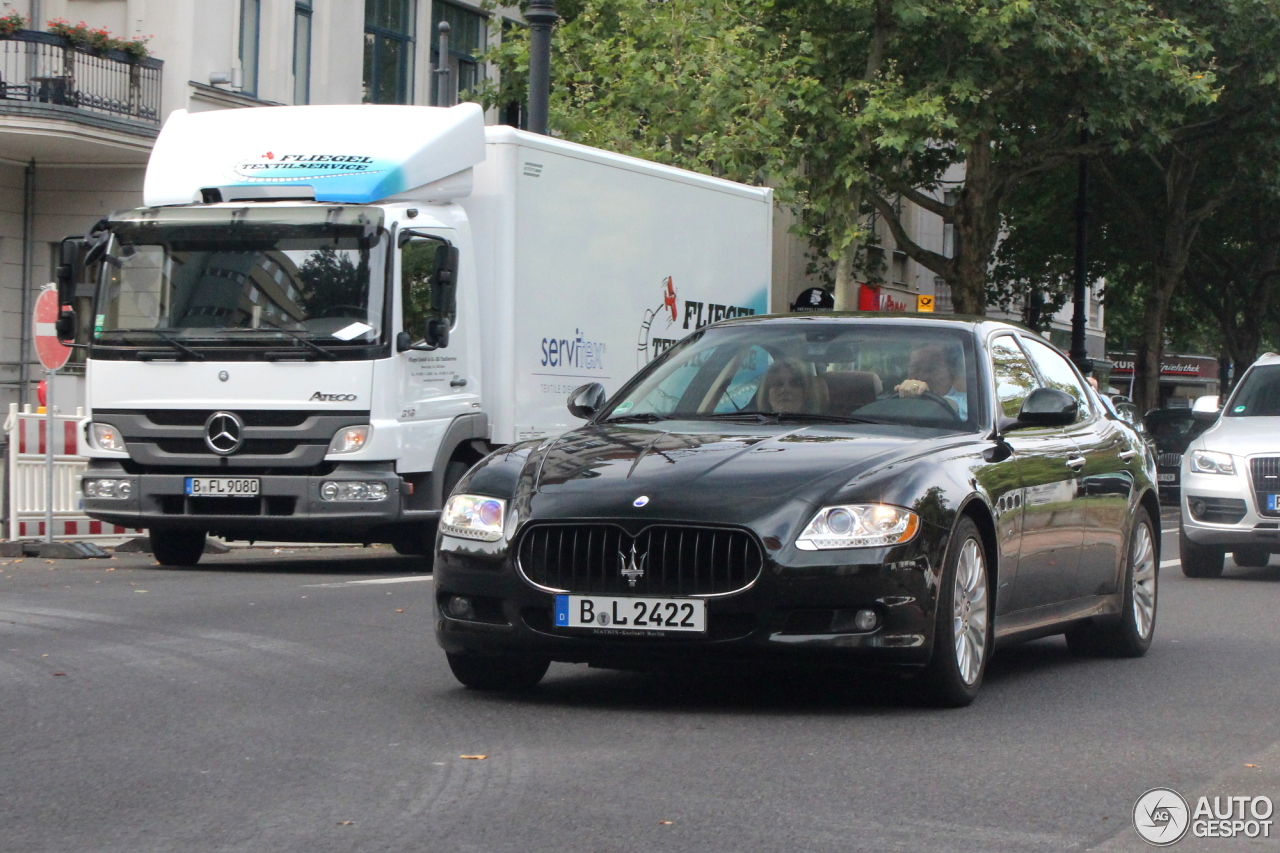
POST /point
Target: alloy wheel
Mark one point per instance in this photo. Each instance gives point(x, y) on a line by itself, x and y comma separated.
point(969, 616)
point(1144, 581)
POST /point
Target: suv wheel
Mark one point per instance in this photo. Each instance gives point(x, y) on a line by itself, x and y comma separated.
point(1200, 561)
point(1252, 557)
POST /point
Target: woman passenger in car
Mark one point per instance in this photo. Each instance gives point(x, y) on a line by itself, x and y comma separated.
point(788, 387)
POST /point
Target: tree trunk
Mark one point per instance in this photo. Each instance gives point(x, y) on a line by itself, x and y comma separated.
point(1150, 350)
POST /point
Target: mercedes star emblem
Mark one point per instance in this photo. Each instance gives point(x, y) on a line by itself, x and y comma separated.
point(224, 433)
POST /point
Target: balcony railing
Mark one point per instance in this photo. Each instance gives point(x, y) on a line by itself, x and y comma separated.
point(43, 68)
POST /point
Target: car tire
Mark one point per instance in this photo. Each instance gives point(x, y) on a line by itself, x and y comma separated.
point(502, 673)
point(177, 547)
point(1200, 561)
point(1252, 557)
point(1130, 636)
point(962, 623)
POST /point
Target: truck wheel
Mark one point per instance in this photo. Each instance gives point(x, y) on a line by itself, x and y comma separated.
point(1252, 557)
point(177, 547)
point(503, 673)
point(1200, 561)
point(1131, 636)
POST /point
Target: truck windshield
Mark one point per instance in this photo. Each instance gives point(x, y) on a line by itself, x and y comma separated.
point(314, 287)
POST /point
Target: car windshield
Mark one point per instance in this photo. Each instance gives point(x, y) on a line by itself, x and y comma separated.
point(1258, 394)
point(242, 283)
point(812, 371)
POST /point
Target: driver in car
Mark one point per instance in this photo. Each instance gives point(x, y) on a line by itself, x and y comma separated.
point(934, 368)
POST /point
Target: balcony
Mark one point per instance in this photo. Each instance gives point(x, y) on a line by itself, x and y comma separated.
point(66, 103)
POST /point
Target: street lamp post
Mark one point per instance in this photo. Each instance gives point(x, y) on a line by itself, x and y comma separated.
point(541, 16)
point(1079, 352)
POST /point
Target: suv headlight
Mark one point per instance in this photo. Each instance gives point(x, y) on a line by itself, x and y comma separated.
point(1211, 462)
point(473, 517)
point(858, 526)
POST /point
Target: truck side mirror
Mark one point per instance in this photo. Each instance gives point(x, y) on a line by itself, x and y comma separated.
point(436, 334)
point(69, 269)
point(586, 400)
point(444, 297)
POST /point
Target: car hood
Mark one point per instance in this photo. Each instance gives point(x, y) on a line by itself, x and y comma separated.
point(700, 469)
point(1242, 436)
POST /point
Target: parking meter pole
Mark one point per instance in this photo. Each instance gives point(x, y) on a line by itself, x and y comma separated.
point(48, 455)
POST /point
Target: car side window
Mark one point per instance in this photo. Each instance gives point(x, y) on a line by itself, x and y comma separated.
point(1058, 373)
point(1014, 377)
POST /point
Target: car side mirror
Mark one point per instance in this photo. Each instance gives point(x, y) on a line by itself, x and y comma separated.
point(1045, 407)
point(1206, 408)
point(586, 400)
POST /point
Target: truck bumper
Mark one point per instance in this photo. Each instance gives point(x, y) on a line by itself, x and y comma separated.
point(287, 507)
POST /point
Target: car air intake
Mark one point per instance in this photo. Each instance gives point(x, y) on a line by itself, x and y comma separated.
point(1266, 481)
point(1216, 510)
point(660, 560)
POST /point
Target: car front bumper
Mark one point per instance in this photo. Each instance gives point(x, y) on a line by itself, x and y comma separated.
point(760, 622)
point(1252, 528)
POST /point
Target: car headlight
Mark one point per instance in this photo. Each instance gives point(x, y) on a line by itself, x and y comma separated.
point(350, 439)
point(1211, 462)
point(858, 526)
point(107, 437)
point(473, 517)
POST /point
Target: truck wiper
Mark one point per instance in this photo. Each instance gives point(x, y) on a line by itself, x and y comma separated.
point(183, 348)
point(300, 339)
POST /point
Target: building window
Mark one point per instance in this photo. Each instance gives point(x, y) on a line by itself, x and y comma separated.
point(388, 51)
point(948, 230)
point(467, 33)
point(302, 52)
point(942, 296)
point(250, 16)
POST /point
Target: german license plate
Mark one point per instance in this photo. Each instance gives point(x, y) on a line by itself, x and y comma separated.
point(1168, 478)
point(631, 613)
point(1273, 503)
point(223, 487)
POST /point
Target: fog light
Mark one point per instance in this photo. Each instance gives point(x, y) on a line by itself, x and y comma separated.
point(865, 620)
point(123, 488)
point(352, 490)
point(460, 608)
point(90, 488)
point(111, 489)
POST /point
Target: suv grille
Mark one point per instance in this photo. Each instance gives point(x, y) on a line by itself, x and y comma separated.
point(668, 560)
point(1266, 481)
point(1169, 460)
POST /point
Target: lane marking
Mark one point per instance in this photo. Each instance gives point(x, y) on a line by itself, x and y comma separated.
point(373, 581)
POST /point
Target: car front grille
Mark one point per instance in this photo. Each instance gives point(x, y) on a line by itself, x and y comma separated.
point(1266, 481)
point(1169, 460)
point(660, 560)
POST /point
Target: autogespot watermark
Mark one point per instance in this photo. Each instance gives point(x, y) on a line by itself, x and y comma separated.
point(1163, 817)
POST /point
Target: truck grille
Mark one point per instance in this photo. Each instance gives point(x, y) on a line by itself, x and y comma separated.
point(1169, 460)
point(1266, 481)
point(661, 560)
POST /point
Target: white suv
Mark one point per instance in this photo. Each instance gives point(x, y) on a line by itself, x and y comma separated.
point(1231, 479)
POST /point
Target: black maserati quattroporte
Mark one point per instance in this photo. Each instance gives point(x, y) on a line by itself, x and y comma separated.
point(872, 491)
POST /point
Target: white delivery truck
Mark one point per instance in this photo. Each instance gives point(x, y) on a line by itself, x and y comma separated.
point(325, 314)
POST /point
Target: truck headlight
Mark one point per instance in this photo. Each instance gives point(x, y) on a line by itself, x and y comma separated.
point(106, 437)
point(858, 526)
point(473, 517)
point(350, 439)
point(1211, 462)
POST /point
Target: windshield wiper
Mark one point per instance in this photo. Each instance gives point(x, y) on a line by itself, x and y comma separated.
point(646, 418)
point(300, 339)
point(183, 348)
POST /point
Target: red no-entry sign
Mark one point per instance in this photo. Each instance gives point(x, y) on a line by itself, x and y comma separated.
point(53, 354)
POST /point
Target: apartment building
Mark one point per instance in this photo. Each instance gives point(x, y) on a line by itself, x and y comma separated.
point(77, 122)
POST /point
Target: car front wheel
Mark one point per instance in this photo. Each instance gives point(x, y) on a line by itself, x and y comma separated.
point(1200, 561)
point(962, 630)
point(497, 672)
point(1130, 637)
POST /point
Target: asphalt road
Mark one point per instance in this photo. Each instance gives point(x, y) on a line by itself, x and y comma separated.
point(291, 701)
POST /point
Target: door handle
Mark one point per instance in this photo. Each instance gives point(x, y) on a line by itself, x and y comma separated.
point(1126, 455)
point(1076, 462)
point(457, 382)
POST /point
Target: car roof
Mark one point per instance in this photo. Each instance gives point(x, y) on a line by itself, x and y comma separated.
point(979, 325)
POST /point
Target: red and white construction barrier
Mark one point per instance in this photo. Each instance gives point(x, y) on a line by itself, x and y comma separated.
point(28, 444)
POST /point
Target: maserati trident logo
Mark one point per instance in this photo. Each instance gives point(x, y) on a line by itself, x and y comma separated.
point(224, 433)
point(632, 564)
